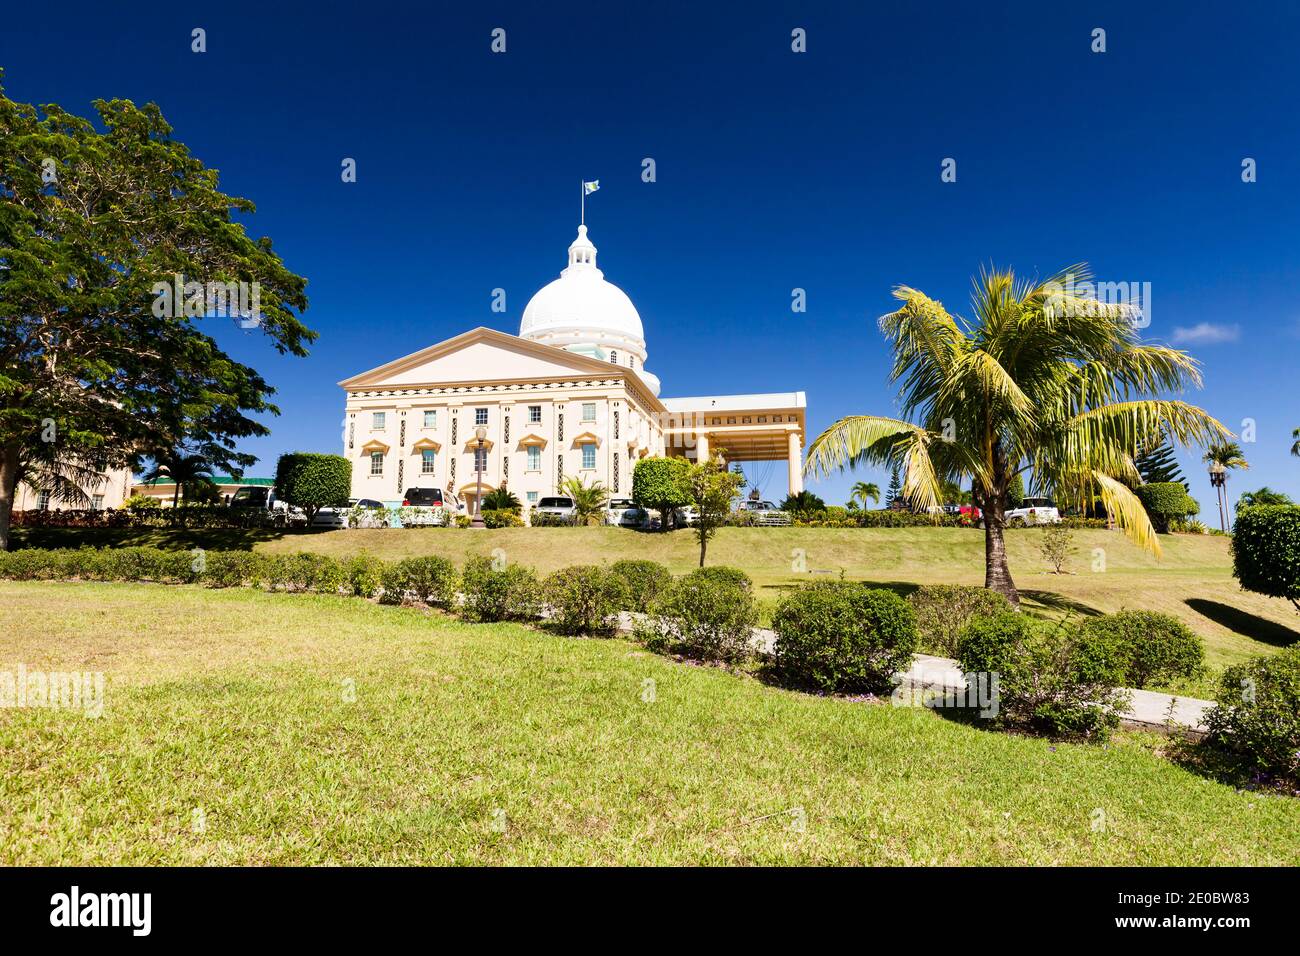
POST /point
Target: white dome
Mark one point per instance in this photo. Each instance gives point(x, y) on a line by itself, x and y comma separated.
point(581, 301)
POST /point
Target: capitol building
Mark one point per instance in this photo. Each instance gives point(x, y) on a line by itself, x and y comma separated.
point(571, 395)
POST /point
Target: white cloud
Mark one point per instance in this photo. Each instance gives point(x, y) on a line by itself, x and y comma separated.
point(1204, 333)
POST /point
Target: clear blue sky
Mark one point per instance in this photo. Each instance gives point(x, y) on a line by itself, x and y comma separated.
point(775, 171)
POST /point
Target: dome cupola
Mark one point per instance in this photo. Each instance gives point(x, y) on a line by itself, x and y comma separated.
point(582, 312)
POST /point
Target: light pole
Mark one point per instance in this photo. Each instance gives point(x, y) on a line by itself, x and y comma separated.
point(480, 433)
point(1219, 475)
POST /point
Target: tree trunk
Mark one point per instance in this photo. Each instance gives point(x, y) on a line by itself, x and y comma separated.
point(8, 490)
point(997, 574)
point(704, 545)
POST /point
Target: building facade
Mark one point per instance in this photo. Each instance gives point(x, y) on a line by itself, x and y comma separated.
point(569, 396)
point(111, 489)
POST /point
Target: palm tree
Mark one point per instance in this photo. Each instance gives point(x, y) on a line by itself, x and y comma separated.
point(588, 500)
point(1043, 381)
point(1262, 496)
point(864, 491)
point(502, 499)
point(1222, 457)
point(182, 469)
point(1295, 445)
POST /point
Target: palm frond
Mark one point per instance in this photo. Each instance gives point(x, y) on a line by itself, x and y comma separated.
point(1127, 510)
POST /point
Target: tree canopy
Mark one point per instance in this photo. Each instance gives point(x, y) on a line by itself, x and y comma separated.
point(97, 365)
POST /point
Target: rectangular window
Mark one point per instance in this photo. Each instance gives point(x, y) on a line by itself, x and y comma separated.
point(532, 497)
point(428, 459)
point(480, 416)
point(96, 502)
point(535, 414)
point(430, 419)
point(588, 455)
point(43, 501)
point(588, 411)
point(534, 458)
point(480, 459)
point(378, 420)
point(376, 463)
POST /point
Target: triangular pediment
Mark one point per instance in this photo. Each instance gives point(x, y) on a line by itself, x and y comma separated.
point(481, 355)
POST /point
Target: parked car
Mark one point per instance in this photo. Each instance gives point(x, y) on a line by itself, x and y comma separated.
point(765, 513)
point(261, 506)
point(626, 513)
point(556, 507)
point(425, 507)
point(338, 517)
point(686, 517)
point(1033, 511)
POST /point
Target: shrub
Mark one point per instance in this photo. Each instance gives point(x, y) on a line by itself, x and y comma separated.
point(1152, 647)
point(703, 615)
point(1055, 680)
point(544, 519)
point(508, 593)
point(731, 577)
point(430, 579)
point(585, 599)
point(843, 637)
point(1266, 551)
point(365, 574)
point(1256, 715)
point(1166, 501)
point(890, 518)
point(501, 518)
point(1057, 546)
point(942, 610)
point(644, 581)
point(660, 485)
point(290, 572)
point(232, 569)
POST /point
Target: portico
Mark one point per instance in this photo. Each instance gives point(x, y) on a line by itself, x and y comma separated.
point(742, 428)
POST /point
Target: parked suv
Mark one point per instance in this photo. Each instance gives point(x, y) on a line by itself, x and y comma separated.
point(626, 513)
point(422, 507)
point(765, 512)
point(260, 505)
point(1033, 511)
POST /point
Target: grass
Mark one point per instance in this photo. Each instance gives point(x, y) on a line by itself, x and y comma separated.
point(233, 703)
point(1193, 580)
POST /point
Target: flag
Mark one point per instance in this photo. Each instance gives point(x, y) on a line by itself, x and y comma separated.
point(591, 187)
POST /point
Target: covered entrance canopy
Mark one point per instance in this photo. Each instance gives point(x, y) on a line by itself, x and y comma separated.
point(763, 427)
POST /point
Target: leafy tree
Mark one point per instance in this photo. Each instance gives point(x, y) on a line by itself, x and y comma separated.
point(96, 365)
point(588, 500)
point(1166, 501)
point(660, 484)
point(312, 481)
point(1263, 496)
point(185, 471)
point(1016, 492)
point(1158, 464)
point(862, 492)
point(803, 505)
point(1042, 380)
point(502, 499)
point(712, 487)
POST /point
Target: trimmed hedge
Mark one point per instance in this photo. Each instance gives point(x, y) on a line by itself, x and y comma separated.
point(644, 581)
point(429, 580)
point(843, 637)
point(1266, 551)
point(585, 599)
point(943, 610)
point(1166, 501)
point(1151, 647)
point(1256, 717)
point(1059, 680)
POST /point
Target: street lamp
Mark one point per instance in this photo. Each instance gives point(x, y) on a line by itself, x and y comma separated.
point(480, 433)
point(1218, 476)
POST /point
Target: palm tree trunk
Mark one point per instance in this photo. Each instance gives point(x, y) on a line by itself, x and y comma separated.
point(997, 573)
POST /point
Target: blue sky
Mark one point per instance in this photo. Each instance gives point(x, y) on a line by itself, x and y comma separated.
point(775, 170)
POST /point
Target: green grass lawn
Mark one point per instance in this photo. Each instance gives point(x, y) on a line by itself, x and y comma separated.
point(486, 744)
point(1193, 580)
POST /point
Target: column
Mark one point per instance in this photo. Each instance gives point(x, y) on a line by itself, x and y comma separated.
point(701, 447)
point(794, 462)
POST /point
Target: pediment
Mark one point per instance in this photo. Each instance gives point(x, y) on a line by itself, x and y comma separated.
point(481, 355)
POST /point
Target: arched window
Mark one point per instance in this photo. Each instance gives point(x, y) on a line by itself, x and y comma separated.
point(613, 357)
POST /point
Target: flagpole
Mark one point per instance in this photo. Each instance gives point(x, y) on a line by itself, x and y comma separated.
point(582, 191)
